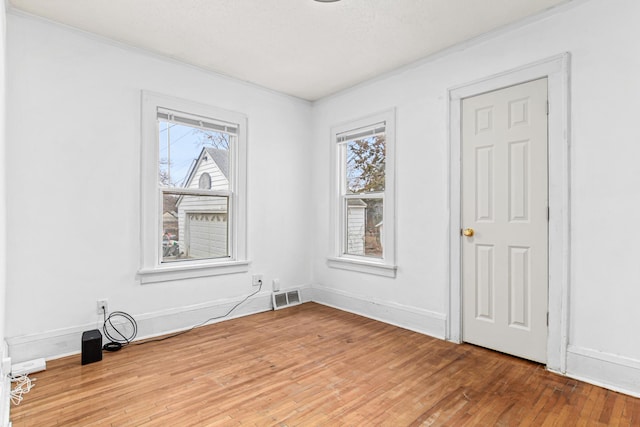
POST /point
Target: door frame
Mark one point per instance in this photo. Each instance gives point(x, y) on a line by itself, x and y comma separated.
point(556, 70)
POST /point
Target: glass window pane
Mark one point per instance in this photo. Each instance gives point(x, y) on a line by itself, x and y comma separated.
point(194, 227)
point(364, 227)
point(365, 165)
point(186, 152)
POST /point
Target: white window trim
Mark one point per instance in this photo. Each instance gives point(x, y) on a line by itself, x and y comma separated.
point(152, 270)
point(385, 266)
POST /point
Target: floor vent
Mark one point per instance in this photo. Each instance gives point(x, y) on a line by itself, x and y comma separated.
point(286, 299)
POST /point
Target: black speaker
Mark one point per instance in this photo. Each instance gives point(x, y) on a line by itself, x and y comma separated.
point(91, 346)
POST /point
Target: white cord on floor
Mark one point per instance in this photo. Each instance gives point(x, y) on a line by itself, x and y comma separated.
point(24, 384)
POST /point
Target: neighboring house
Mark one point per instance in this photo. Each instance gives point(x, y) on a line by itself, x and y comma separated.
point(356, 214)
point(202, 220)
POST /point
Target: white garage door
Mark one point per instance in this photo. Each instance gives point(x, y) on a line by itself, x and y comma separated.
point(207, 235)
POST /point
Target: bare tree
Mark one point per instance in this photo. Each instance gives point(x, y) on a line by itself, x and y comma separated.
point(217, 140)
point(366, 165)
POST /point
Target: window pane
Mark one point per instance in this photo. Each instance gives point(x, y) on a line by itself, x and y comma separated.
point(194, 227)
point(365, 164)
point(364, 227)
point(186, 152)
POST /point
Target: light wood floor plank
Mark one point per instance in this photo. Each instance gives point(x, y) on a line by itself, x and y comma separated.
point(312, 365)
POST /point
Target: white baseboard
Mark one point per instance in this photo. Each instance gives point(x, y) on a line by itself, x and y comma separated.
point(64, 342)
point(617, 373)
point(5, 385)
point(407, 317)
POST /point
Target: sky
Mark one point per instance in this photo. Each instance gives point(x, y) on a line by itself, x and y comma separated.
point(185, 144)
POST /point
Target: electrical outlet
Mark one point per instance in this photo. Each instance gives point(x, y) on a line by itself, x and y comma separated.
point(256, 279)
point(100, 304)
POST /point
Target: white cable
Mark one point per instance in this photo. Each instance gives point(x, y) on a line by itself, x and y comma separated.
point(24, 384)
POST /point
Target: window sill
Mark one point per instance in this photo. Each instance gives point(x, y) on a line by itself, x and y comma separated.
point(363, 266)
point(179, 272)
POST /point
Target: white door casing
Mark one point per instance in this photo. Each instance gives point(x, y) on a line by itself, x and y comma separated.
point(557, 71)
point(504, 202)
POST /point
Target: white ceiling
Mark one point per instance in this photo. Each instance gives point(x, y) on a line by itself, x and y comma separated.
point(300, 47)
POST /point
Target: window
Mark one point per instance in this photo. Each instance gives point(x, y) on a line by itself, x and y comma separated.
point(363, 204)
point(193, 190)
point(205, 179)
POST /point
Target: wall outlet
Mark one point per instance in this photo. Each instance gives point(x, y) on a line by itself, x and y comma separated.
point(100, 304)
point(276, 285)
point(256, 279)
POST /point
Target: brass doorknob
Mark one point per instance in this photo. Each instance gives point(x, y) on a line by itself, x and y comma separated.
point(468, 232)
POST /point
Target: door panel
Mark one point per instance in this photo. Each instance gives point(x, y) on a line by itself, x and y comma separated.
point(484, 282)
point(484, 184)
point(504, 201)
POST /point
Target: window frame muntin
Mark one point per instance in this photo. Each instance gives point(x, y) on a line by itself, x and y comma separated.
point(152, 269)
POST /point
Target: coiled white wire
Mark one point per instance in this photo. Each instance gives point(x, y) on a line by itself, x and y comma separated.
point(23, 385)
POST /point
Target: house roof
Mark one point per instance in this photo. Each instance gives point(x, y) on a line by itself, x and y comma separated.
point(356, 203)
point(221, 157)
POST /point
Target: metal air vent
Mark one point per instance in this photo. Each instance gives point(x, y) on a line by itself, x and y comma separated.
point(286, 299)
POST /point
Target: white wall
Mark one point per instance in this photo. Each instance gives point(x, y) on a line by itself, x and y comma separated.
point(74, 184)
point(601, 36)
point(4, 383)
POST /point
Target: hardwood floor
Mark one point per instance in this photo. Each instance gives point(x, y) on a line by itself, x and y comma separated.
point(312, 365)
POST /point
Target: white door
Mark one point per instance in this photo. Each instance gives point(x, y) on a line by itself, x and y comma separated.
point(505, 220)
